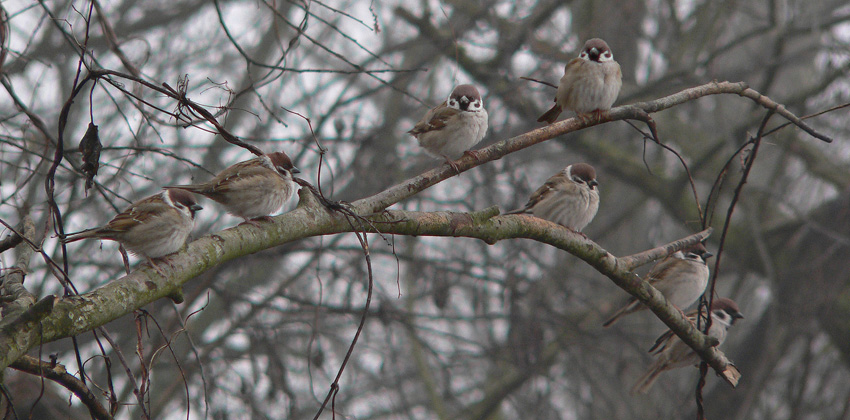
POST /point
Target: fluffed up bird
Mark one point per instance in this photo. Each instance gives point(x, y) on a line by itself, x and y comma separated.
point(152, 227)
point(591, 82)
point(672, 353)
point(681, 278)
point(569, 198)
point(453, 127)
point(252, 189)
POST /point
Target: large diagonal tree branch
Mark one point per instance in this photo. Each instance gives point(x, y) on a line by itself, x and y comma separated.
point(72, 315)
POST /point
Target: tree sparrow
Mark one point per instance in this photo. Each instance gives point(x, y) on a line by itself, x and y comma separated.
point(251, 189)
point(151, 227)
point(681, 278)
point(453, 127)
point(569, 198)
point(591, 82)
point(673, 353)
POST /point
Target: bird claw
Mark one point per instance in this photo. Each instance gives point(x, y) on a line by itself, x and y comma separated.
point(473, 154)
point(453, 164)
point(156, 267)
point(598, 113)
point(578, 233)
point(594, 117)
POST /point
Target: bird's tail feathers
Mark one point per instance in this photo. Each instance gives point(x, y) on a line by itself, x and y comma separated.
point(551, 115)
point(190, 188)
point(625, 310)
point(645, 382)
point(83, 234)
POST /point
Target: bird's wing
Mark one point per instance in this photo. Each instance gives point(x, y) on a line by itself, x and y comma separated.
point(435, 119)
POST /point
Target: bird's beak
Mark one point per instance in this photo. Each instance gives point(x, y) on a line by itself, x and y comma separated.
point(195, 207)
point(593, 183)
point(706, 255)
point(295, 170)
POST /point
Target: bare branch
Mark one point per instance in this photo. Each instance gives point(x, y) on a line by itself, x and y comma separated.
point(13, 281)
point(10, 242)
point(501, 149)
point(633, 261)
point(146, 285)
point(58, 374)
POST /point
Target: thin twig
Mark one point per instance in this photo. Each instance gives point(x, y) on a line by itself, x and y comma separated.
point(654, 136)
point(360, 233)
point(816, 114)
point(780, 109)
point(58, 374)
point(542, 82)
point(133, 381)
point(706, 302)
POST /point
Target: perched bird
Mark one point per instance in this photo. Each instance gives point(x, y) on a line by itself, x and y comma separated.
point(151, 227)
point(453, 127)
point(681, 278)
point(673, 353)
point(251, 189)
point(591, 82)
point(569, 198)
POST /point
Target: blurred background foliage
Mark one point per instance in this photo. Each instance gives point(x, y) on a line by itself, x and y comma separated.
point(457, 328)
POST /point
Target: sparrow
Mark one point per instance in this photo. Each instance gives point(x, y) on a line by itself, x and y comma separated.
point(569, 198)
point(251, 189)
point(453, 127)
point(673, 353)
point(152, 227)
point(591, 82)
point(681, 278)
